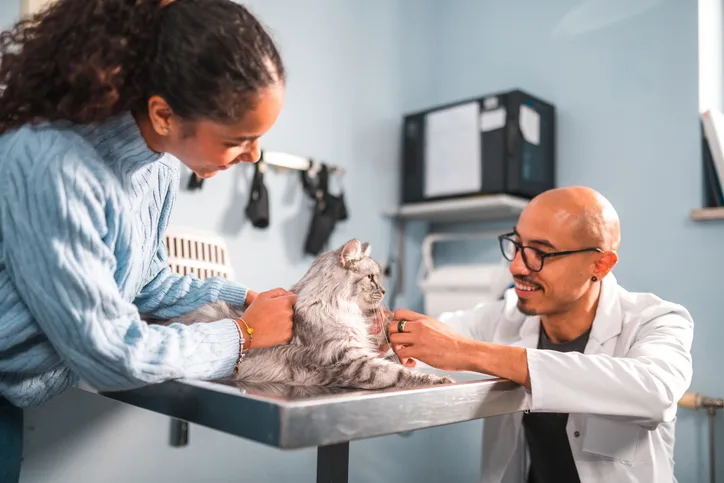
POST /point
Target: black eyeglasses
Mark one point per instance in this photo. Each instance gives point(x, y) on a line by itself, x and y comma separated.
point(532, 257)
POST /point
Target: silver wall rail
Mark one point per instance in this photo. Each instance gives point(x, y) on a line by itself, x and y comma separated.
point(280, 161)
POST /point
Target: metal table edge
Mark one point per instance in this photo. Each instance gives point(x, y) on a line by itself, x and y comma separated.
point(289, 425)
point(471, 400)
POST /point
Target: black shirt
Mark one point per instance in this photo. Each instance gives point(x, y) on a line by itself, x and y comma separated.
point(551, 460)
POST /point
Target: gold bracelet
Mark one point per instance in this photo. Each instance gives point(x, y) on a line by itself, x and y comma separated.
point(249, 331)
point(243, 350)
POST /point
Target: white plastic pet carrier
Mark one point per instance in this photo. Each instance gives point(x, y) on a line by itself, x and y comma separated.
point(457, 286)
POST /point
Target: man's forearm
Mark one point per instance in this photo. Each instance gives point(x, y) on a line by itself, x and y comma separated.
point(498, 360)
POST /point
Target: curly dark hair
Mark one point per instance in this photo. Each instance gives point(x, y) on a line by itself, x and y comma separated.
point(86, 60)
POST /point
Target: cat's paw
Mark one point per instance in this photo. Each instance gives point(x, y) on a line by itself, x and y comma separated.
point(431, 379)
point(443, 380)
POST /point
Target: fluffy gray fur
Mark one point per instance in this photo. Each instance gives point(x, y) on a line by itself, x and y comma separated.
point(337, 300)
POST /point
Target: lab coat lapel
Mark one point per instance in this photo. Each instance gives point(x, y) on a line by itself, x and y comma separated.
point(608, 322)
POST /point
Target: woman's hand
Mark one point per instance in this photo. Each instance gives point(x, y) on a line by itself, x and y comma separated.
point(270, 315)
point(250, 297)
point(429, 341)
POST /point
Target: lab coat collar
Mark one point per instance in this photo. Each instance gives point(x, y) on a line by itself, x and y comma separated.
point(608, 321)
point(606, 324)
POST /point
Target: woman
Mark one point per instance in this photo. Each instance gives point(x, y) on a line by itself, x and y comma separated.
point(100, 99)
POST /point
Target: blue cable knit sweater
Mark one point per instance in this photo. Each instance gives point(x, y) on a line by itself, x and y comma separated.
point(83, 210)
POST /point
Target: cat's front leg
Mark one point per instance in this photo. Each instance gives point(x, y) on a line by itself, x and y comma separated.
point(378, 373)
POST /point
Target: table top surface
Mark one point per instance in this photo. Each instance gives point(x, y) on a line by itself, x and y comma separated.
point(291, 417)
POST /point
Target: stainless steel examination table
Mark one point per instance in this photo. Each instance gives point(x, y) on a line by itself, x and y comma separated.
point(300, 417)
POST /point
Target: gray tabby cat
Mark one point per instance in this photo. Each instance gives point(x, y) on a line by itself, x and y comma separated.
point(337, 300)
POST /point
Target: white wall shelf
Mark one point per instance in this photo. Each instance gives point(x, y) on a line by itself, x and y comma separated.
point(477, 208)
point(705, 214)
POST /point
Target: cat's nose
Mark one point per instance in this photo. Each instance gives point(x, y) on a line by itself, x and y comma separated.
point(382, 290)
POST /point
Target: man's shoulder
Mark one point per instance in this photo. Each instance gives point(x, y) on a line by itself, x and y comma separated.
point(644, 307)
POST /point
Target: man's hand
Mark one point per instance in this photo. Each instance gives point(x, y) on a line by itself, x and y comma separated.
point(436, 344)
point(429, 341)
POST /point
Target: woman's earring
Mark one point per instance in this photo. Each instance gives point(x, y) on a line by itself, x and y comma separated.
point(594, 279)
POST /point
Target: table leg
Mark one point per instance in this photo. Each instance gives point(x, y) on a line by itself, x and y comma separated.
point(333, 463)
point(179, 433)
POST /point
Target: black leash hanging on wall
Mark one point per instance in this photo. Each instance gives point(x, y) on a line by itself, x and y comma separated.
point(328, 209)
point(257, 209)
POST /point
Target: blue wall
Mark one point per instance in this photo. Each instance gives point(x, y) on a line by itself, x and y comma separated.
point(624, 77)
point(9, 11)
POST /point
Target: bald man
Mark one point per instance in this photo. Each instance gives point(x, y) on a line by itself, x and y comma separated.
point(604, 368)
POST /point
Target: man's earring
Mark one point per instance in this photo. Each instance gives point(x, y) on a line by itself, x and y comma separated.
point(594, 279)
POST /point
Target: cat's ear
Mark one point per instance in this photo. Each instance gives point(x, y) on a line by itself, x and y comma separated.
point(366, 249)
point(351, 252)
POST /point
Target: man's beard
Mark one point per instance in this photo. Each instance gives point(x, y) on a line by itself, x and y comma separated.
point(526, 310)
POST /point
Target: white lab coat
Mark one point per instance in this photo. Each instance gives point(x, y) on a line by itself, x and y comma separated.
point(621, 394)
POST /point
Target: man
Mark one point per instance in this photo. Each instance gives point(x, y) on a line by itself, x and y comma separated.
point(604, 368)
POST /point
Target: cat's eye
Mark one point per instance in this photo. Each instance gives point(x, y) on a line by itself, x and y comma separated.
point(371, 277)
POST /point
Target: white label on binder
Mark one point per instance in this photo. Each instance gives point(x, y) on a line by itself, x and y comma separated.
point(492, 120)
point(530, 124)
point(453, 159)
